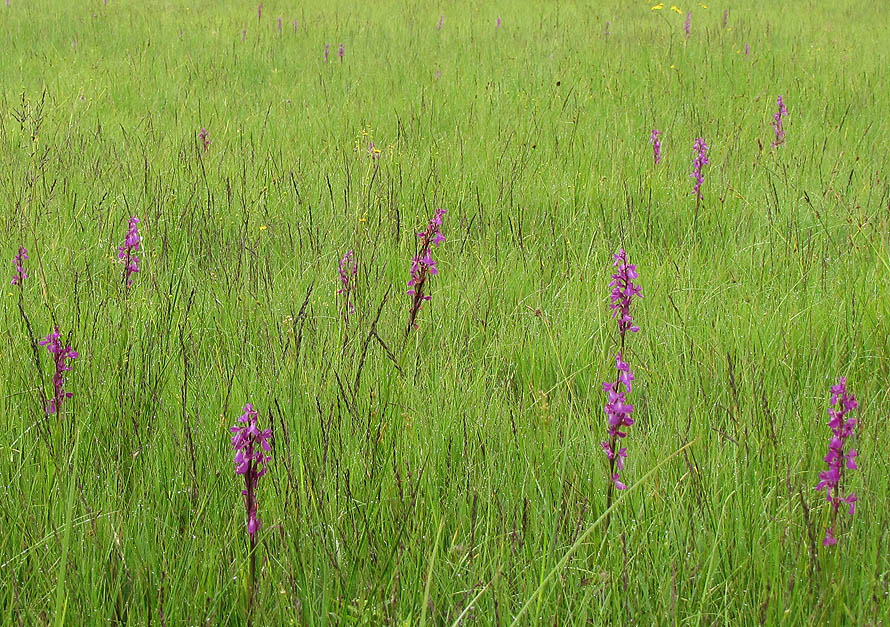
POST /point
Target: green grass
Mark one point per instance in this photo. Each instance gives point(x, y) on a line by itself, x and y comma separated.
point(460, 479)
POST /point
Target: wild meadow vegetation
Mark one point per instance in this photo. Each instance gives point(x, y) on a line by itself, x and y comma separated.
point(213, 210)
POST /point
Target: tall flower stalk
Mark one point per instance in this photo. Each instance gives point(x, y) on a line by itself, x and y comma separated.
point(62, 358)
point(251, 462)
point(423, 266)
point(347, 272)
point(687, 25)
point(698, 164)
point(204, 136)
point(618, 410)
point(838, 459)
point(655, 140)
point(20, 275)
point(777, 122)
point(127, 252)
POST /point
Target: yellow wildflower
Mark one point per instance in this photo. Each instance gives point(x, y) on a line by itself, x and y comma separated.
point(658, 7)
point(676, 9)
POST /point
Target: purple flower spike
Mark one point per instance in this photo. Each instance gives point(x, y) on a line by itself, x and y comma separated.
point(837, 458)
point(423, 266)
point(687, 25)
point(655, 140)
point(725, 18)
point(498, 23)
point(296, 25)
point(747, 49)
point(623, 292)
point(127, 252)
point(279, 24)
point(205, 138)
point(251, 461)
point(62, 356)
point(606, 30)
point(618, 410)
point(700, 161)
point(327, 52)
point(347, 271)
point(20, 274)
point(777, 122)
point(441, 22)
point(341, 50)
point(259, 11)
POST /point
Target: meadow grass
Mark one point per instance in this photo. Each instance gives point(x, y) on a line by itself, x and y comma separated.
point(455, 475)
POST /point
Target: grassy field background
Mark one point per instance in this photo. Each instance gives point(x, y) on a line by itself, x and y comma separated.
point(456, 476)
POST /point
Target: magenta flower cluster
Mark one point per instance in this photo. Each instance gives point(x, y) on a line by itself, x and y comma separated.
point(777, 122)
point(347, 272)
point(623, 292)
point(655, 140)
point(251, 461)
point(687, 25)
point(341, 50)
point(127, 252)
point(619, 413)
point(842, 426)
point(698, 163)
point(205, 138)
point(618, 410)
point(423, 265)
point(62, 358)
point(19, 259)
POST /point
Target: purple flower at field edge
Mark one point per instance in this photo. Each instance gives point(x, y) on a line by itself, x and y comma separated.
point(20, 274)
point(251, 461)
point(127, 252)
point(62, 356)
point(842, 427)
point(699, 162)
point(655, 140)
point(777, 122)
